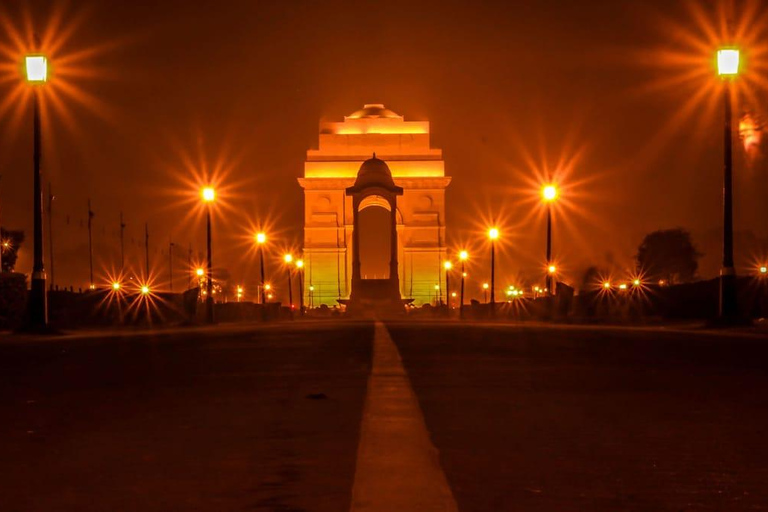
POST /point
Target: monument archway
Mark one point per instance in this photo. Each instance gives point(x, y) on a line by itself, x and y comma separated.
point(328, 212)
point(374, 188)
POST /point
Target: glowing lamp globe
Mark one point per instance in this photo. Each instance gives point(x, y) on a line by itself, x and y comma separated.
point(549, 193)
point(200, 272)
point(145, 290)
point(209, 195)
point(261, 238)
point(116, 286)
point(606, 285)
point(37, 69)
point(288, 258)
point(763, 270)
point(493, 233)
point(485, 286)
point(463, 255)
point(551, 269)
point(728, 62)
point(447, 265)
point(300, 263)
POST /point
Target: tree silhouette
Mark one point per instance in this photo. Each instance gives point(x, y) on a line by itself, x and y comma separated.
point(11, 241)
point(668, 254)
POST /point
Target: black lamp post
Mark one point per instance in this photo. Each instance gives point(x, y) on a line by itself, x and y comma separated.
point(37, 74)
point(728, 68)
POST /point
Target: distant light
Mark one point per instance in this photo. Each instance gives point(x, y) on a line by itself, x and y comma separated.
point(267, 286)
point(728, 62)
point(763, 270)
point(145, 290)
point(622, 286)
point(551, 269)
point(239, 289)
point(300, 263)
point(116, 286)
point(200, 272)
point(509, 292)
point(288, 258)
point(269, 295)
point(37, 68)
point(549, 193)
point(261, 238)
point(636, 282)
point(453, 294)
point(447, 265)
point(209, 195)
point(437, 287)
point(463, 274)
point(485, 286)
point(311, 288)
point(463, 255)
point(91, 286)
point(661, 282)
point(493, 233)
point(606, 285)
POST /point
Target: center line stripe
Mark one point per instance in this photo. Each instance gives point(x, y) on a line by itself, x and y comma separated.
point(398, 468)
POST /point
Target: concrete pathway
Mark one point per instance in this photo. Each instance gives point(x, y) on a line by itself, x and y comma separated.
point(398, 468)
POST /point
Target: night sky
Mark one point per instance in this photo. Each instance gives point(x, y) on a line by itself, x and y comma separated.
point(600, 92)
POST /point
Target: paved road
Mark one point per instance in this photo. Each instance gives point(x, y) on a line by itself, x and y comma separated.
point(493, 417)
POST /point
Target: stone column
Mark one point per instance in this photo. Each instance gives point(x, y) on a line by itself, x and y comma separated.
point(355, 238)
point(393, 270)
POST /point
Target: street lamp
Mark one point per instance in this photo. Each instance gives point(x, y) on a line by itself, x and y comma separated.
point(299, 268)
point(549, 194)
point(37, 74)
point(463, 256)
point(209, 196)
point(288, 259)
point(493, 235)
point(261, 239)
point(485, 292)
point(728, 68)
point(447, 265)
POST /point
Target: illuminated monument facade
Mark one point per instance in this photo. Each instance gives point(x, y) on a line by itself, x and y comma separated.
point(333, 167)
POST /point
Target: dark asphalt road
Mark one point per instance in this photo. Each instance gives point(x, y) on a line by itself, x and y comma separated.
point(524, 418)
point(566, 420)
point(186, 422)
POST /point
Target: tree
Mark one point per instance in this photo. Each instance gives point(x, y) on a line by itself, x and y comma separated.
point(668, 254)
point(10, 241)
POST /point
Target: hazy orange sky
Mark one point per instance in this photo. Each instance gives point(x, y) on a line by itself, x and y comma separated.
point(619, 95)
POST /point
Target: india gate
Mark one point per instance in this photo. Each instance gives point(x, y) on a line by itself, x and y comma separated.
point(387, 143)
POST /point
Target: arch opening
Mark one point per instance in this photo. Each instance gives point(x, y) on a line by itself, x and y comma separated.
point(375, 239)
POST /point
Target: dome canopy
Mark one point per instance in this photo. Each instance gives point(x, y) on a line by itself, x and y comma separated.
point(372, 110)
point(374, 172)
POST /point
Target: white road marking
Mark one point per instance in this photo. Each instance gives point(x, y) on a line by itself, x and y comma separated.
point(398, 468)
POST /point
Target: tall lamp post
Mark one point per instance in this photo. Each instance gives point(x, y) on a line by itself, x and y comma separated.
point(209, 196)
point(493, 235)
point(728, 69)
point(299, 269)
point(37, 75)
point(261, 238)
point(288, 259)
point(549, 194)
point(447, 265)
point(463, 255)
